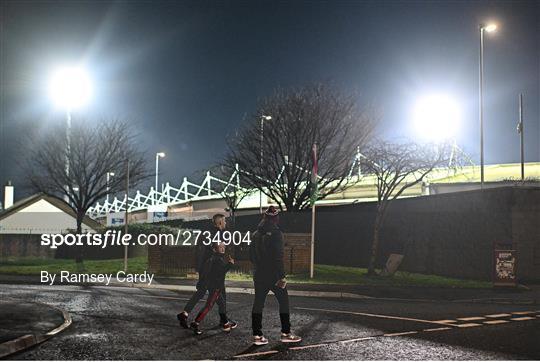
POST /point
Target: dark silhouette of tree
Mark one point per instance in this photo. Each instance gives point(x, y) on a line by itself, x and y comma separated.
point(91, 153)
point(397, 167)
point(299, 118)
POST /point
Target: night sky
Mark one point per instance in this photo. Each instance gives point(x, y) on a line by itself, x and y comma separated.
point(186, 73)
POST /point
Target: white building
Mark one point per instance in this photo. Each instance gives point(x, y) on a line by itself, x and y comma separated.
point(40, 214)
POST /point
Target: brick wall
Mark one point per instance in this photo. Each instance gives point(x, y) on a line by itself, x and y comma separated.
point(23, 245)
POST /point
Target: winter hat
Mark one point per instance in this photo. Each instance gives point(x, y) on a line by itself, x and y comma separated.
point(271, 215)
point(271, 211)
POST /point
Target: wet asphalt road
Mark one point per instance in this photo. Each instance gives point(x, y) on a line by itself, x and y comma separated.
point(140, 324)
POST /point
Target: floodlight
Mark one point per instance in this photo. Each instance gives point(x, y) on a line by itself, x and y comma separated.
point(437, 117)
point(70, 87)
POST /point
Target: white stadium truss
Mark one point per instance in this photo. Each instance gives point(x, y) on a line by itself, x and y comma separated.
point(210, 188)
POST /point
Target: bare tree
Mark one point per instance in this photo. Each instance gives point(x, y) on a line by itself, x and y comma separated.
point(276, 158)
point(397, 167)
point(91, 152)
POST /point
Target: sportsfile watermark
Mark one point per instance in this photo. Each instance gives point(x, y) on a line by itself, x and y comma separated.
point(119, 238)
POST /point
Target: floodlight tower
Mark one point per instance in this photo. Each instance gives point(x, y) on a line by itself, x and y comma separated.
point(263, 118)
point(70, 88)
point(109, 174)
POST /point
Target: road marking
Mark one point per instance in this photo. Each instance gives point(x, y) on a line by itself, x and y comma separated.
point(496, 322)
point(256, 354)
point(333, 342)
point(522, 318)
point(468, 325)
point(437, 329)
point(502, 315)
point(446, 321)
point(373, 315)
point(470, 319)
point(399, 334)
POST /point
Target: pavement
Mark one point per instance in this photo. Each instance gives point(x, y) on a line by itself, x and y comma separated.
point(523, 294)
point(333, 319)
point(25, 324)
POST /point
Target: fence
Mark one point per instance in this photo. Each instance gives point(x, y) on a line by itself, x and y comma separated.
point(181, 260)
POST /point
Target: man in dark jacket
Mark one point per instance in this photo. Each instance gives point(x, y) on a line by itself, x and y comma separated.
point(219, 224)
point(266, 254)
point(212, 277)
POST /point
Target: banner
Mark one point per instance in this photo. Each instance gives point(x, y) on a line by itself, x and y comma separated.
point(504, 273)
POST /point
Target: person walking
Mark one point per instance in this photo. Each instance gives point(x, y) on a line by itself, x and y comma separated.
point(219, 224)
point(213, 278)
point(266, 254)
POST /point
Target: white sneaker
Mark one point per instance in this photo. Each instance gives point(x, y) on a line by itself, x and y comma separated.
point(259, 340)
point(290, 338)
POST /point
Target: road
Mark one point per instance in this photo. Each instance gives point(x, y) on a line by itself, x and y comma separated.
point(128, 323)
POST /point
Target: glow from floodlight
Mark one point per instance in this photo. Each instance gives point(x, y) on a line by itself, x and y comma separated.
point(437, 117)
point(160, 154)
point(70, 87)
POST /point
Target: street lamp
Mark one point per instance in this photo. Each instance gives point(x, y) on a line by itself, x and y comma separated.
point(109, 174)
point(158, 156)
point(263, 118)
point(70, 88)
point(483, 28)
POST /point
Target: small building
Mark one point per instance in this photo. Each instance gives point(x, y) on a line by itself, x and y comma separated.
point(23, 223)
point(40, 214)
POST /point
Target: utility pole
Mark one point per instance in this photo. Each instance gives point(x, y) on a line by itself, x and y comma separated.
point(521, 134)
point(126, 216)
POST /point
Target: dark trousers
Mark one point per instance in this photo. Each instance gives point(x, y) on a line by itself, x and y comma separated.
point(262, 288)
point(213, 297)
point(199, 294)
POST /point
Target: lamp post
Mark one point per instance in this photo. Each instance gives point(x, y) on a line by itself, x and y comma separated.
point(521, 136)
point(109, 174)
point(263, 118)
point(483, 28)
point(158, 156)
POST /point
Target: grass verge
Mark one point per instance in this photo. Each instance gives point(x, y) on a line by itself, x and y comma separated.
point(33, 266)
point(324, 274)
point(331, 274)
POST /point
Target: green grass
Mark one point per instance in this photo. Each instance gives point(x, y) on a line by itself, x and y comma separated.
point(330, 274)
point(324, 274)
point(33, 266)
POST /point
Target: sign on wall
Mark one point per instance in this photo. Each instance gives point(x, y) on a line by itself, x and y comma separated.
point(504, 273)
point(116, 218)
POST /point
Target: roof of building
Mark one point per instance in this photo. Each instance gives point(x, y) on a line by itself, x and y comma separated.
point(62, 205)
